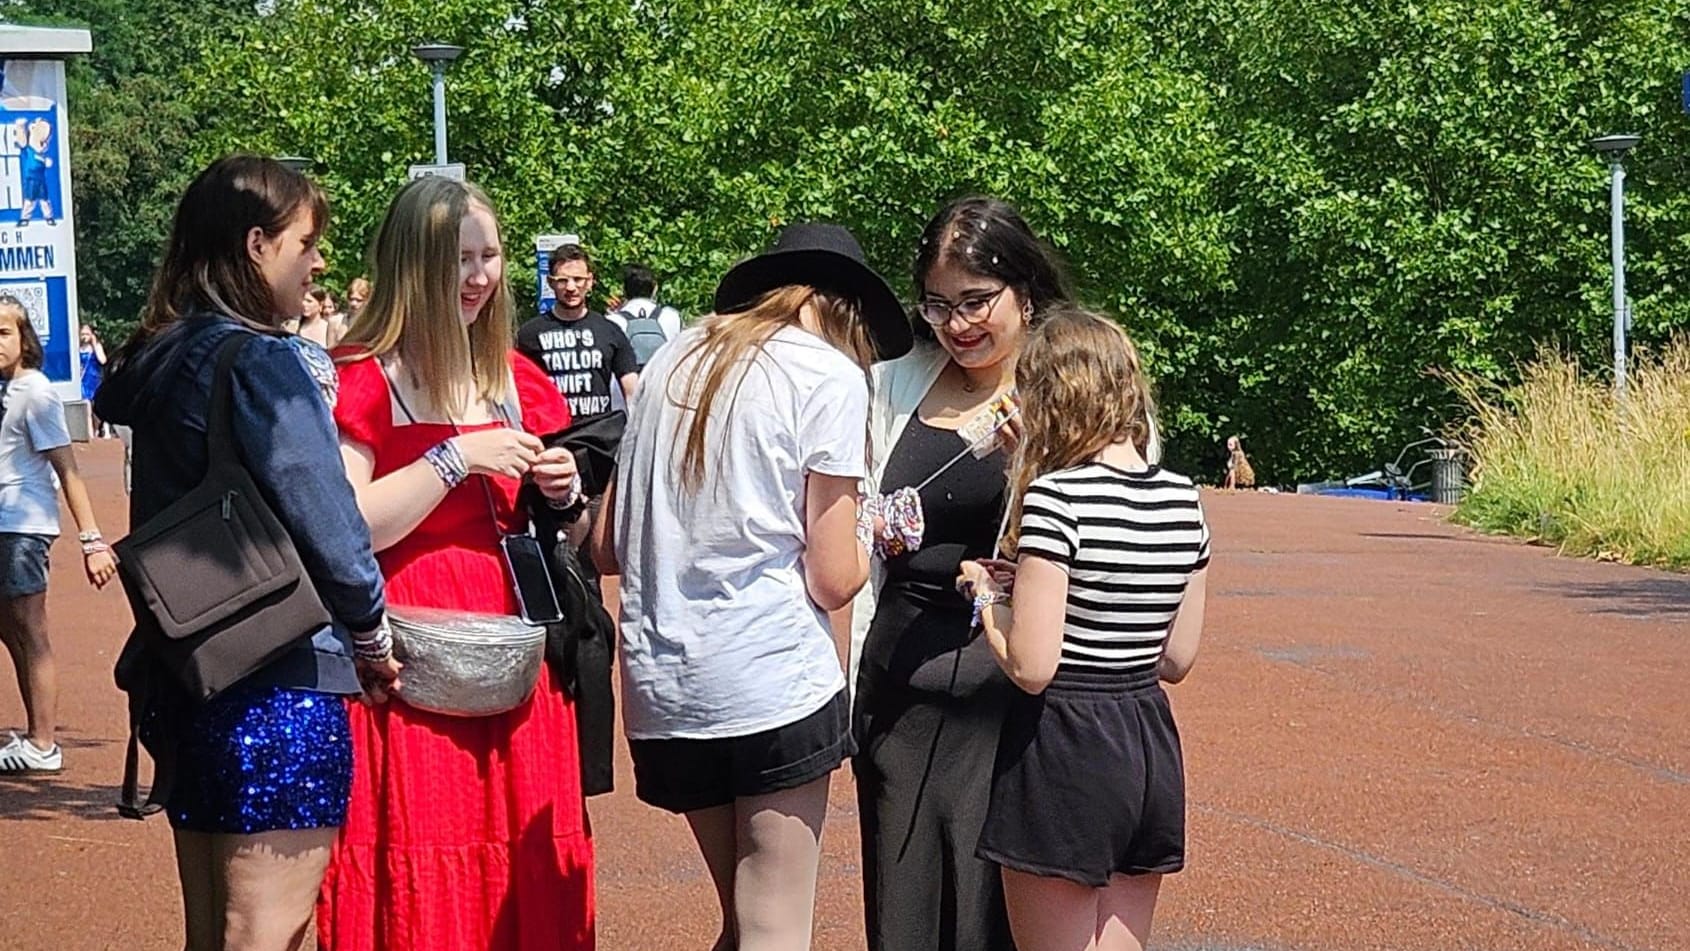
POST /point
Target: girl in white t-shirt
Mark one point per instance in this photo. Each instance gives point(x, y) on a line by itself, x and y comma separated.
point(34, 448)
point(734, 520)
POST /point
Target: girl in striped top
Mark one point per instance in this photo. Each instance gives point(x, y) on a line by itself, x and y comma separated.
point(1088, 795)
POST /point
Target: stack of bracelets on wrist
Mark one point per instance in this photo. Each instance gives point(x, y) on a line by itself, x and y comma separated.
point(92, 543)
point(571, 500)
point(984, 600)
point(904, 522)
point(448, 462)
point(375, 646)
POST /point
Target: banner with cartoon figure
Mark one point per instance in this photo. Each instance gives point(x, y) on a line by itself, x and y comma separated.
point(37, 245)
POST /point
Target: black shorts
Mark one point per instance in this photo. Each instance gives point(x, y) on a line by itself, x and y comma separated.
point(1089, 781)
point(684, 775)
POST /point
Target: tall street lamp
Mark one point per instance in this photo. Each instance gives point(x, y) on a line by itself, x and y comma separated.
point(298, 163)
point(1614, 148)
point(438, 56)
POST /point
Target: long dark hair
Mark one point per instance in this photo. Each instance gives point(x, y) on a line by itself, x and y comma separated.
point(988, 237)
point(206, 265)
point(31, 355)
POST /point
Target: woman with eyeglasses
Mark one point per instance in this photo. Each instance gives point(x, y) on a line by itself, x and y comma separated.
point(930, 697)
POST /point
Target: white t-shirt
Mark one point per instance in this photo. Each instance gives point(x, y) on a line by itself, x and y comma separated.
point(719, 635)
point(668, 318)
point(32, 423)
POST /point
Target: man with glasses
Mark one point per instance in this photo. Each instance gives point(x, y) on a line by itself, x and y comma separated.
point(584, 353)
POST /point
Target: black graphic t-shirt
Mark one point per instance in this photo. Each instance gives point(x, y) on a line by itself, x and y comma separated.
point(584, 358)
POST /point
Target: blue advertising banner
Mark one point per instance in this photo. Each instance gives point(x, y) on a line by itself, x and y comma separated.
point(37, 244)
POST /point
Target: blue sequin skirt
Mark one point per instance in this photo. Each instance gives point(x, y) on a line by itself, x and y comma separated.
point(261, 759)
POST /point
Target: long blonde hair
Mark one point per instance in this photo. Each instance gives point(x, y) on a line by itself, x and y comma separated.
point(413, 307)
point(1082, 389)
point(731, 340)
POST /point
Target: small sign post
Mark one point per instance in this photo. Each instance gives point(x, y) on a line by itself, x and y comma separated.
point(452, 170)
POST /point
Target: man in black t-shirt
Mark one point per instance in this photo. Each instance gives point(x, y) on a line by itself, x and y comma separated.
point(584, 353)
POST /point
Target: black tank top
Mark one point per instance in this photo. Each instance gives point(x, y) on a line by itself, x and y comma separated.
point(964, 507)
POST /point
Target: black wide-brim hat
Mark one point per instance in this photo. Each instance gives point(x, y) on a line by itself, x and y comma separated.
point(827, 258)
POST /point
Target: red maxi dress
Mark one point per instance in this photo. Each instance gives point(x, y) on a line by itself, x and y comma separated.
point(464, 834)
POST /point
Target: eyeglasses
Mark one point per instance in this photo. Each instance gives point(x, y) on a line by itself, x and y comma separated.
point(972, 310)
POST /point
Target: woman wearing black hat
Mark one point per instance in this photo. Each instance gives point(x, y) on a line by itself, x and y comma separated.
point(734, 516)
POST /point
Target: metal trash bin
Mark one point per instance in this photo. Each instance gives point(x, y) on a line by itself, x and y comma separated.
point(1449, 476)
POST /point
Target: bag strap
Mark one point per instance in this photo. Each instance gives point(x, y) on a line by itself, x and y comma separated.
point(130, 804)
point(219, 424)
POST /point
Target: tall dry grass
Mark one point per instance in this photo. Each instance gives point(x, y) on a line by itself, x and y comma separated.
point(1559, 460)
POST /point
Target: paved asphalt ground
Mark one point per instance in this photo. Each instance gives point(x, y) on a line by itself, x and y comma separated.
point(1399, 736)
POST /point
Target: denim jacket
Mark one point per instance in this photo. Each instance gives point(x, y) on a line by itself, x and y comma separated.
point(286, 437)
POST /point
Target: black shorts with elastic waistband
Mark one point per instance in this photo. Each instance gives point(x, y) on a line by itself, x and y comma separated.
point(683, 775)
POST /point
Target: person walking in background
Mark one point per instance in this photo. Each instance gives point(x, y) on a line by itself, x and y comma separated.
point(929, 698)
point(648, 324)
point(1239, 473)
point(92, 353)
point(1088, 792)
point(734, 519)
point(258, 776)
point(464, 832)
point(35, 448)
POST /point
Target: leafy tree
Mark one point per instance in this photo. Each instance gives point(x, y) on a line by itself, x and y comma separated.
point(1305, 212)
point(131, 135)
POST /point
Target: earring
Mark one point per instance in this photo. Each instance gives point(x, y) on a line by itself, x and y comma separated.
point(1027, 313)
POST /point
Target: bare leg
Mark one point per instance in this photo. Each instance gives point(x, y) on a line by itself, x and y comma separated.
point(270, 882)
point(714, 831)
point(775, 882)
point(1124, 912)
point(24, 624)
point(1050, 914)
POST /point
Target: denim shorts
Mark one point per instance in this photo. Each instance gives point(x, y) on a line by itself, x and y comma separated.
point(23, 564)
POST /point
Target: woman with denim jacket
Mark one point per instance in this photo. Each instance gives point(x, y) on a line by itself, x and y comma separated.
point(258, 776)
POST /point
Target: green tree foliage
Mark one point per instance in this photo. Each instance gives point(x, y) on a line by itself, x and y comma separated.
point(1302, 210)
point(131, 136)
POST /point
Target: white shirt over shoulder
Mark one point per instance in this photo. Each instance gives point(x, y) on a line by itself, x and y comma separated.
point(668, 318)
point(719, 635)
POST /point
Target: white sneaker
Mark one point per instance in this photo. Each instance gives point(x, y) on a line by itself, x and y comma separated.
point(21, 756)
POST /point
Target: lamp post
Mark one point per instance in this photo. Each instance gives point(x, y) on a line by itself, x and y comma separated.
point(438, 56)
point(1614, 148)
point(297, 163)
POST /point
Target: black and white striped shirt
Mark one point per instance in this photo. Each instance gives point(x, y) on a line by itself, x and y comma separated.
point(1130, 542)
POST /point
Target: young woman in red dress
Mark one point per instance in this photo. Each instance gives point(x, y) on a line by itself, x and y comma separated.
point(462, 832)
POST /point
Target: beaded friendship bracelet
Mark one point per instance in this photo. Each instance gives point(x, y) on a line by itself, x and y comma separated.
point(569, 501)
point(984, 600)
point(448, 462)
point(376, 646)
